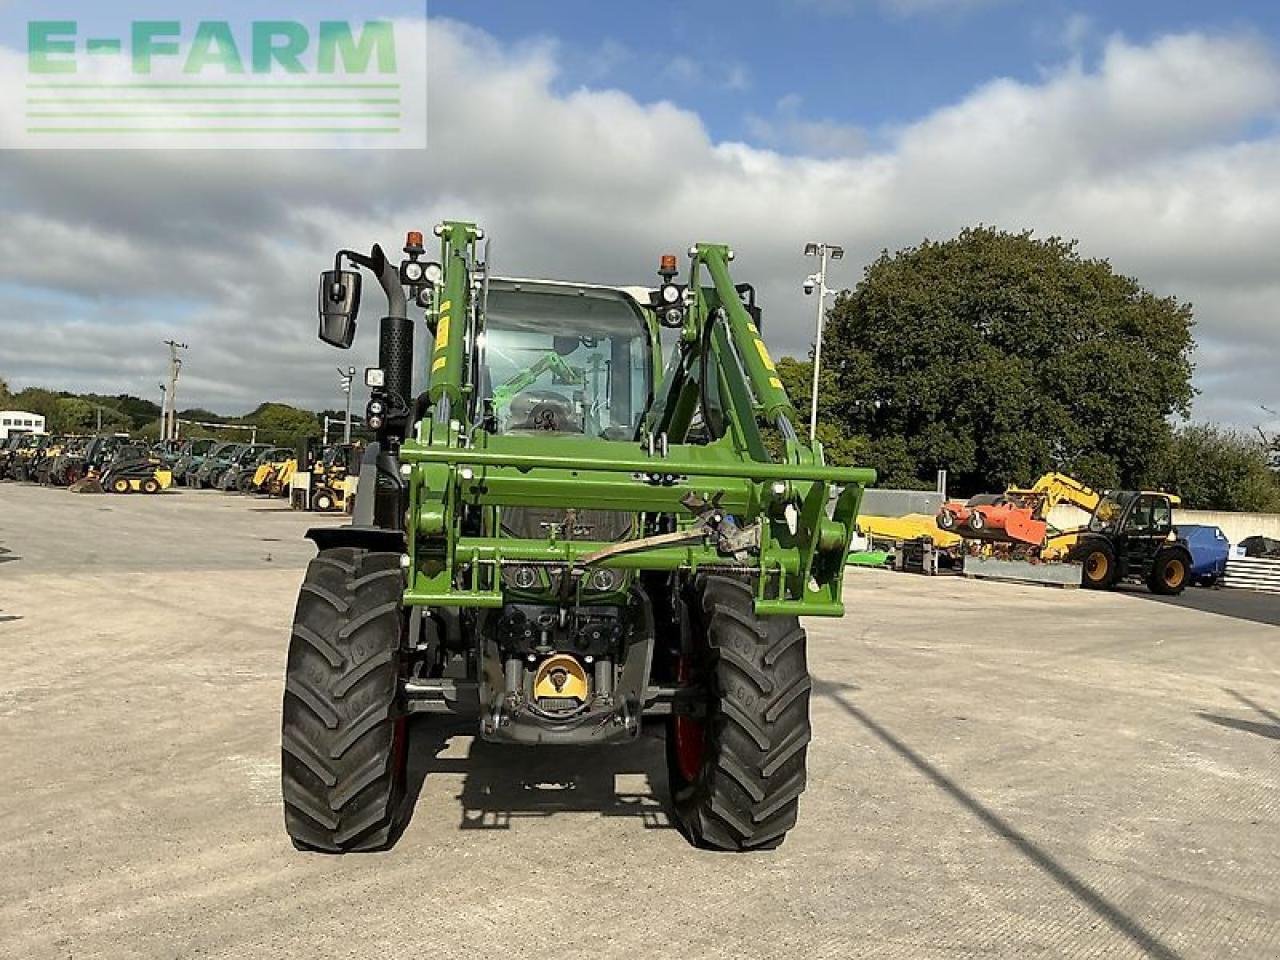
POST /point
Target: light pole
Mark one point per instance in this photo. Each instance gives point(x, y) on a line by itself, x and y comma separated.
point(347, 375)
point(169, 416)
point(824, 252)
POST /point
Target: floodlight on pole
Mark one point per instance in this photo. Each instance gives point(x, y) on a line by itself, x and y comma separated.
point(348, 376)
point(818, 281)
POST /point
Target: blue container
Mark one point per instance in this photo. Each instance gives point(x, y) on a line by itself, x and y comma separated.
point(1209, 548)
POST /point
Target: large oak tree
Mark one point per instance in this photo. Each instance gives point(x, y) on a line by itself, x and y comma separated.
point(997, 356)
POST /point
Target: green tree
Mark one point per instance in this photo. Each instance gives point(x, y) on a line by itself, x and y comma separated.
point(38, 400)
point(134, 410)
point(889, 456)
point(282, 424)
point(997, 356)
point(1213, 468)
point(72, 415)
point(5, 396)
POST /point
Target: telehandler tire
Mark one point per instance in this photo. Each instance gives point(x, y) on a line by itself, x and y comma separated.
point(736, 774)
point(1170, 572)
point(1099, 569)
point(343, 742)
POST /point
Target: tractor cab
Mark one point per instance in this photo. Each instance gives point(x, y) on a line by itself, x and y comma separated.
point(1131, 535)
point(569, 359)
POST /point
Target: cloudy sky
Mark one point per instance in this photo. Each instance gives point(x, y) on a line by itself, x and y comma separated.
point(588, 138)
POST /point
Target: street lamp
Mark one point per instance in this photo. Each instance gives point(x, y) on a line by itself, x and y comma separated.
point(347, 376)
point(818, 281)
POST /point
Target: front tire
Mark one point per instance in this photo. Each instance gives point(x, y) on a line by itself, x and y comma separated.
point(121, 485)
point(736, 774)
point(1170, 572)
point(1099, 568)
point(343, 741)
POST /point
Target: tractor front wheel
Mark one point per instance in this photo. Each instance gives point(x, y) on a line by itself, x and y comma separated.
point(344, 736)
point(737, 770)
point(1170, 572)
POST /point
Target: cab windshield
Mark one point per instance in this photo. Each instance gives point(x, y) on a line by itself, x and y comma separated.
point(1109, 512)
point(565, 359)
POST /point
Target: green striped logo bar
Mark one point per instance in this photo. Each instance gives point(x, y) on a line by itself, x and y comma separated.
point(324, 83)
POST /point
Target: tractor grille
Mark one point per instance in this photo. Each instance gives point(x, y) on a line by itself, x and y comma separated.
point(537, 523)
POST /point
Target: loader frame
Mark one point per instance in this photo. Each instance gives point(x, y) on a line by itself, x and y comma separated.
point(721, 362)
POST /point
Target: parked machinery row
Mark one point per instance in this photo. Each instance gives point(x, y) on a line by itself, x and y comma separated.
point(312, 476)
point(1130, 534)
point(107, 461)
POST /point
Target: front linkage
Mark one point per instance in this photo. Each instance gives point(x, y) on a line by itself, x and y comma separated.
point(549, 540)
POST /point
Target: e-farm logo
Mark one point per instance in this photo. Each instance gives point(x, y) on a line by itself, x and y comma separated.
point(225, 83)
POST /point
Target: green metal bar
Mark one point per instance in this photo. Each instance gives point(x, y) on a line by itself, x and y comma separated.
point(749, 470)
point(738, 393)
point(505, 488)
point(799, 608)
point(453, 307)
point(760, 367)
point(494, 549)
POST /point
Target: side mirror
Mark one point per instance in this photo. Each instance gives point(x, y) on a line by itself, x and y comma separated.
point(339, 303)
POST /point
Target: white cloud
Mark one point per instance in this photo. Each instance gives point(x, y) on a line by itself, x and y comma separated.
point(605, 59)
point(1076, 31)
point(787, 130)
point(1153, 159)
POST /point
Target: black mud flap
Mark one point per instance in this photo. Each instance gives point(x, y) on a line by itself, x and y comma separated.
point(378, 539)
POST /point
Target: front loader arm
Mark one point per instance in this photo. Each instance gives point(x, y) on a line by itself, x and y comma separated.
point(780, 522)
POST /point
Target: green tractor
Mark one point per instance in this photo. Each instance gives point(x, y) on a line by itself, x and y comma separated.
point(566, 538)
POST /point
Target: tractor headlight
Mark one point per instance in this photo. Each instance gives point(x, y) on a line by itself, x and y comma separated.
point(605, 580)
point(520, 576)
point(672, 317)
point(433, 273)
point(411, 271)
point(669, 293)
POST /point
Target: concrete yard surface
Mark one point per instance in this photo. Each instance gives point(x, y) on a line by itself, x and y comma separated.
point(997, 771)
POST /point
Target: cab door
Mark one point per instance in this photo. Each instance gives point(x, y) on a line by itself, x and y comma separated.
point(1145, 530)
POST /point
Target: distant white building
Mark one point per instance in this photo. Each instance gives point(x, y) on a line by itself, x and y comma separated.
point(19, 421)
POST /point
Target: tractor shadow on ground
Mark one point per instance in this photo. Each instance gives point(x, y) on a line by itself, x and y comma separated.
point(1271, 729)
point(503, 783)
point(6, 556)
point(1074, 885)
